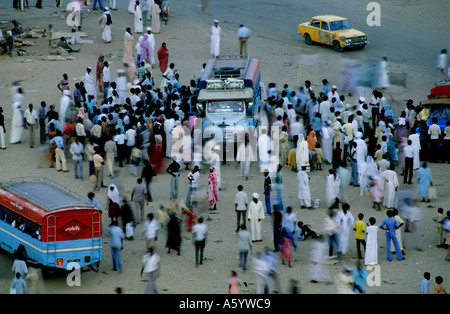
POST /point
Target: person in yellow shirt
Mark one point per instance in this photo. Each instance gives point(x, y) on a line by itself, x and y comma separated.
point(359, 228)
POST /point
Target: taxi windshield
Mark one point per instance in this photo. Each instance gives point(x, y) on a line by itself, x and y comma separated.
point(225, 107)
point(340, 25)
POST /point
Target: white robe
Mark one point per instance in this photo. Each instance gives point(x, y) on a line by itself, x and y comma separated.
point(244, 156)
point(215, 162)
point(332, 188)
point(318, 269)
point(106, 33)
point(371, 252)
point(391, 183)
point(327, 144)
point(16, 123)
point(138, 22)
point(168, 126)
point(264, 145)
point(215, 40)
point(255, 212)
point(131, 5)
point(63, 105)
point(151, 48)
point(304, 193)
point(367, 171)
point(383, 78)
point(301, 152)
point(346, 222)
point(90, 86)
point(415, 138)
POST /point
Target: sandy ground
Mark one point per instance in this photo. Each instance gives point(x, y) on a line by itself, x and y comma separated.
point(188, 43)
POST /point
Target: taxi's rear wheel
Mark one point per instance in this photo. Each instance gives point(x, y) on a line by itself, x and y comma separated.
point(337, 46)
point(308, 39)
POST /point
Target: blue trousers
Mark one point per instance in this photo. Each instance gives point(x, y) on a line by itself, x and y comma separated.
point(267, 199)
point(354, 177)
point(100, 4)
point(398, 252)
point(333, 238)
point(117, 259)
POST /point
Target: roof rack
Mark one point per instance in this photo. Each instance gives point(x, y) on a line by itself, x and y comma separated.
point(229, 66)
point(45, 193)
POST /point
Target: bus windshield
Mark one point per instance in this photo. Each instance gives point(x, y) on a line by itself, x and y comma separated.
point(226, 107)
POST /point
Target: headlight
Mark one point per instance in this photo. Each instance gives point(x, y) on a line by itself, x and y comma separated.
point(348, 41)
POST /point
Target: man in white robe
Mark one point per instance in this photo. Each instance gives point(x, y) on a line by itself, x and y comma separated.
point(89, 84)
point(390, 187)
point(264, 147)
point(255, 215)
point(301, 152)
point(215, 39)
point(63, 105)
point(215, 162)
point(346, 222)
point(155, 10)
point(361, 152)
point(332, 188)
point(151, 46)
point(327, 142)
point(304, 193)
point(169, 123)
point(415, 139)
point(106, 22)
point(138, 22)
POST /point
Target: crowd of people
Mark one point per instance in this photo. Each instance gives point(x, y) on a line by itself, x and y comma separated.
point(109, 123)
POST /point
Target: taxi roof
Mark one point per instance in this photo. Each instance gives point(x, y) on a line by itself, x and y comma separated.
point(329, 18)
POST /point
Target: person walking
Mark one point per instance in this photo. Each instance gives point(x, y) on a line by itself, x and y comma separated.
point(408, 151)
point(116, 235)
point(240, 206)
point(244, 245)
point(425, 180)
point(174, 171)
point(151, 269)
point(150, 231)
point(199, 231)
point(193, 177)
point(140, 199)
point(371, 251)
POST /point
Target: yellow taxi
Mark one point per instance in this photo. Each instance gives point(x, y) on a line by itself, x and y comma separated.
point(332, 30)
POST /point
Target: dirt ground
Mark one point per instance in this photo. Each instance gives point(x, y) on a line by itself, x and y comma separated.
point(187, 38)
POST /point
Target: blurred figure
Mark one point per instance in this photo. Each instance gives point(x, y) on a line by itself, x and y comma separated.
point(332, 229)
point(415, 218)
point(318, 270)
point(424, 285)
point(150, 266)
point(442, 64)
point(234, 282)
point(425, 180)
point(383, 78)
point(272, 262)
point(344, 281)
point(359, 278)
point(34, 281)
point(439, 288)
point(18, 285)
point(398, 232)
point(261, 270)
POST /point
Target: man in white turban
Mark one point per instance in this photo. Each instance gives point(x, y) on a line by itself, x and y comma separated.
point(255, 217)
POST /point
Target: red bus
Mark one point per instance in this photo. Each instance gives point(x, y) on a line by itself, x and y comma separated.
point(49, 224)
